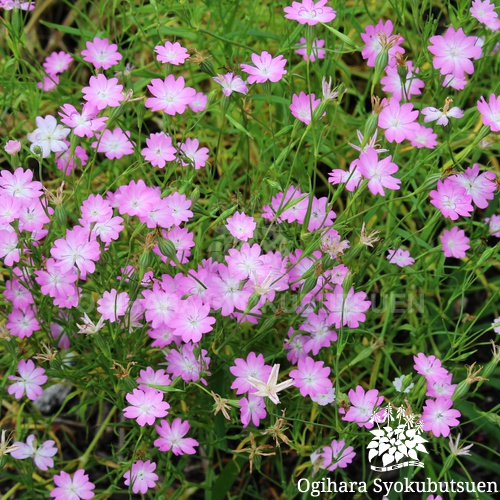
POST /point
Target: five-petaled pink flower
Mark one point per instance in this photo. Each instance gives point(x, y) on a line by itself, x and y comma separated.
point(30, 380)
point(266, 68)
point(101, 54)
point(311, 377)
point(172, 437)
point(400, 257)
point(72, 488)
point(438, 416)
point(348, 310)
point(142, 476)
point(309, 12)
point(146, 406)
point(170, 95)
point(102, 92)
point(451, 200)
point(173, 53)
point(303, 106)
point(490, 113)
point(378, 172)
point(454, 242)
point(398, 121)
point(363, 406)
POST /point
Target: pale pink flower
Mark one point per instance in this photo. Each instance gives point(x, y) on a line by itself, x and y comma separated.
point(451, 200)
point(30, 380)
point(231, 83)
point(484, 12)
point(454, 242)
point(400, 257)
point(310, 12)
point(241, 226)
point(303, 106)
point(490, 113)
point(363, 406)
point(8, 246)
point(173, 53)
point(316, 49)
point(172, 437)
point(114, 143)
point(441, 116)
point(199, 102)
point(170, 95)
point(335, 456)
point(72, 488)
point(57, 62)
point(42, 455)
point(348, 310)
point(20, 184)
point(438, 416)
point(351, 178)
point(101, 54)
point(424, 137)
point(393, 83)
point(398, 121)
point(193, 154)
point(266, 68)
point(102, 92)
point(113, 305)
point(146, 406)
point(252, 408)
point(376, 37)
point(12, 147)
point(159, 150)
point(192, 319)
point(494, 225)
point(253, 367)
point(48, 83)
point(378, 172)
point(84, 124)
point(142, 476)
point(311, 377)
point(481, 186)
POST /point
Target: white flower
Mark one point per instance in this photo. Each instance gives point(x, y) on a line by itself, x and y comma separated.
point(49, 136)
point(270, 388)
point(88, 326)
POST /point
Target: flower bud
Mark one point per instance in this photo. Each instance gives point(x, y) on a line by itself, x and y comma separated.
point(12, 147)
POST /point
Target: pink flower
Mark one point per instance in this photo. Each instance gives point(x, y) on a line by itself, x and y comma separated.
point(311, 377)
point(392, 82)
point(84, 124)
point(309, 12)
point(8, 246)
point(319, 326)
point(424, 137)
point(151, 377)
point(170, 95)
point(72, 488)
point(494, 225)
point(490, 113)
point(199, 102)
point(400, 257)
point(441, 387)
point(113, 305)
point(484, 12)
point(22, 323)
point(453, 52)
point(376, 37)
point(429, 366)
point(188, 365)
point(114, 143)
point(267, 68)
point(231, 83)
point(67, 160)
point(253, 409)
point(378, 172)
point(30, 381)
point(303, 105)
point(441, 117)
point(159, 150)
point(241, 226)
point(438, 416)
point(348, 310)
point(363, 405)
point(146, 406)
point(12, 147)
point(335, 456)
point(454, 242)
point(451, 200)
point(480, 186)
point(102, 92)
point(193, 154)
point(19, 184)
point(142, 476)
point(316, 52)
point(173, 53)
point(48, 136)
point(192, 319)
point(42, 455)
point(172, 437)
point(253, 367)
point(53, 281)
point(101, 54)
point(57, 62)
point(398, 121)
point(351, 178)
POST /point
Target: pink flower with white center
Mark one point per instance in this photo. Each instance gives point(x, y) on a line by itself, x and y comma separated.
point(76, 250)
point(192, 155)
point(18, 294)
point(22, 323)
point(392, 83)
point(172, 437)
point(303, 106)
point(57, 62)
point(159, 150)
point(326, 398)
point(67, 161)
point(12, 147)
point(429, 366)
point(84, 124)
point(101, 54)
point(114, 144)
point(254, 367)
point(199, 102)
point(146, 406)
point(188, 365)
point(241, 226)
point(332, 243)
point(363, 406)
point(335, 456)
point(53, 281)
point(20, 185)
point(135, 198)
point(400, 257)
point(48, 83)
point(438, 416)
point(113, 305)
point(454, 82)
point(252, 408)
point(173, 53)
point(378, 172)
point(170, 95)
point(231, 83)
point(451, 200)
point(453, 52)
point(142, 476)
point(311, 377)
point(348, 310)
point(398, 121)
point(318, 325)
point(161, 307)
point(441, 387)
point(270, 388)
point(8, 246)
point(294, 205)
point(72, 488)
point(441, 117)
point(95, 209)
point(242, 262)
point(48, 136)
point(351, 178)
point(192, 319)
point(295, 347)
point(319, 217)
point(102, 92)
point(490, 113)
point(316, 49)
point(33, 216)
point(149, 377)
point(376, 37)
point(424, 137)
point(484, 12)
point(454, 242)
point(42, 455)
point(10, 208)
point(267, 68)
point(494, 225)
point(179, 206)
point(30, 380)
point(309, 12)
point(183, 240)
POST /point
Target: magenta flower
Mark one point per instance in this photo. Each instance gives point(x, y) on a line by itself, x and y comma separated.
point(316, 49)
point(376, 37)
point(400, 257)
point(451, 200)
point(484, 12)
point(348, 310)
point(113, 305)
point(231, 83)
point(188, 365)
point(192, 319)
point(454, 242)
point(438, 416)
point(30, 380)
point(303, 106)
point(151, 377)
point(266, 68)
point(172, 437)
point(490, 113)
point(429, 366)
point(392, 82)
point(193, 154)
point(57, 62)
point(398, 121)
point(170, 95)
point(309, 12)
point(102, 92)
point(72, 488)
point(335, 456)
point(173, 53)
point(241, 226)
point(311, 377)
point(453, 52)
point(253, 367)
point(159, 150)
point(146, 406)
point(20, 184)
point(101, 54)
point(253, 409)
point(22, 323)
point(142, 476)
point(363, 405)
point(114, 143)
point(48, 136)
point(41, 455)
point(378, 172)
